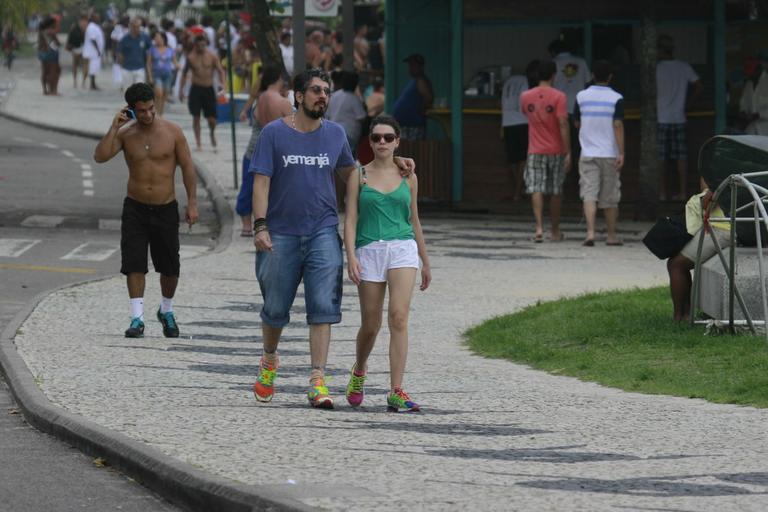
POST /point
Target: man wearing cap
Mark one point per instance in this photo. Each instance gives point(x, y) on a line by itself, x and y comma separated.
point(672, 80)
point(411, 107)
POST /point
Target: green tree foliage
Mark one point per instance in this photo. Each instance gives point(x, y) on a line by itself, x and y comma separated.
point(16, 12)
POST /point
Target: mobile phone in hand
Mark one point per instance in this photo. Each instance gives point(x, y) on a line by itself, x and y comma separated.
point(131, 113)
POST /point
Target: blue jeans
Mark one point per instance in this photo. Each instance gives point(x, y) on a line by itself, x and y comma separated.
point(244, 204)
point(164, 81)
point(315, 258)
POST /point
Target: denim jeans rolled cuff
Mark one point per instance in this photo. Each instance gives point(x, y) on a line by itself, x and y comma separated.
point(323, 319)
point(277, 323)
point(317, 260)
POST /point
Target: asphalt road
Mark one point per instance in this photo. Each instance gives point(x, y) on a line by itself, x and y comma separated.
point(59, 225)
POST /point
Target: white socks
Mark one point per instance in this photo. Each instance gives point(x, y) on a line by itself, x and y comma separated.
point(166, 305)
point(137, 308)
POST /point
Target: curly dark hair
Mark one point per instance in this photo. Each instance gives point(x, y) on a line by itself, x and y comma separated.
point(269, 75)
point(547, 69)
point(139, 91)
point(302, 80)
point(386, 120)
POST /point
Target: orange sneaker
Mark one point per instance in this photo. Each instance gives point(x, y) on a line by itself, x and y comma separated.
point(318, 395)
point(264, 387)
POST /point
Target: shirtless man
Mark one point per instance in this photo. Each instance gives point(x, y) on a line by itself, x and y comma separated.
point(203, 63)
point(272, 102)
point(272, 105)
point(152, 147)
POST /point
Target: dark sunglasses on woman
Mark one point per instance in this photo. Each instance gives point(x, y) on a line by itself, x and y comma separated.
point(388, 137)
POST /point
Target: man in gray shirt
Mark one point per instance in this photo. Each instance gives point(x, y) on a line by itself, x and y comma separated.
point(347, 109)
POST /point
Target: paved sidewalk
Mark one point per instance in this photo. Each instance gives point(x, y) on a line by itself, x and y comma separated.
point(493, 435)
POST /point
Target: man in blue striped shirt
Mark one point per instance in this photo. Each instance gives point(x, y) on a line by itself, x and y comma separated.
point(599, 113)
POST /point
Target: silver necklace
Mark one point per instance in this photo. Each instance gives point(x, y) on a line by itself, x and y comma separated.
point(293, 122)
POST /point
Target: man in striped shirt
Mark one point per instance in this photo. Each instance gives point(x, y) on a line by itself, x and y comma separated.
point(599, 113)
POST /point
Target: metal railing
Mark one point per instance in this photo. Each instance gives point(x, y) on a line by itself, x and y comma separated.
point(759, 197)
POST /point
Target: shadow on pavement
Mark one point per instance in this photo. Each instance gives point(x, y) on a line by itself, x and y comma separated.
point(661, 487)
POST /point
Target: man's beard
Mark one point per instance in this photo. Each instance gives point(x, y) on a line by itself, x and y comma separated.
point(314, 114)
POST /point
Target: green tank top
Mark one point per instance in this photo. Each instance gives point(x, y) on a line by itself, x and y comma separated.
point(383, 217)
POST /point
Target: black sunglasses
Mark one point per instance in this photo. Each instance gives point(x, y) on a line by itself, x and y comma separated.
point(388, 137)
point(317, 89)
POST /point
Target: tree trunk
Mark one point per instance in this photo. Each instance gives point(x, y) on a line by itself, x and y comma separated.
point(265, 35)
point(647, 204)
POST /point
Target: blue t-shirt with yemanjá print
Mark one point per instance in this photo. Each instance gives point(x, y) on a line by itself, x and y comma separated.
point(301, 167)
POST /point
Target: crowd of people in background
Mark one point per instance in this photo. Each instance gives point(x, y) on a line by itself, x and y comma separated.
point(186, 61)
point(160, 52)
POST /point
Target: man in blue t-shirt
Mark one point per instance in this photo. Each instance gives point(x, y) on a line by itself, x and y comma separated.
point(411, 107)
point(296, 227)
point(132, 54)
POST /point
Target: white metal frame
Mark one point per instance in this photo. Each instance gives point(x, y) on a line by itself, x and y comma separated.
point(759, 196)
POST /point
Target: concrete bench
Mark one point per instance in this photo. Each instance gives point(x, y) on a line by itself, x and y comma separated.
point(714, 290)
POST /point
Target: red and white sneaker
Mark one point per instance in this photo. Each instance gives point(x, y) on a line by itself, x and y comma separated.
point(264, 387)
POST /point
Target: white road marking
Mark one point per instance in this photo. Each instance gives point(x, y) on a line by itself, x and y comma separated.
point(77, 160)
point(15, 247)
point(87, 174)
point(88, 192)
point(87, 183)
point(110, 224)
point(50, 145)
point(68, 153)
point(22, 139)
point(85, 167)
point(92, 251)
point(42, 221)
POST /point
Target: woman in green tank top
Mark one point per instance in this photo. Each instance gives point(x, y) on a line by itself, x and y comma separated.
point(384, 243)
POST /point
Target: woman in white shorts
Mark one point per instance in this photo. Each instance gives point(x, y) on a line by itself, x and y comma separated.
point(384, 242)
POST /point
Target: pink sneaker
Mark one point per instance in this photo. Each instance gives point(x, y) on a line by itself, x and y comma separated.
point(355, 391)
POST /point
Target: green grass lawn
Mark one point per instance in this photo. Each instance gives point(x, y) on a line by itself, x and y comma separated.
point(627, 340)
